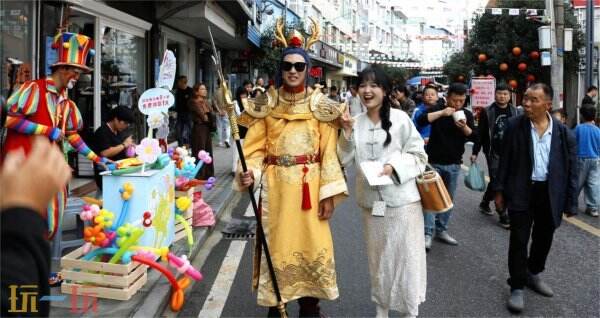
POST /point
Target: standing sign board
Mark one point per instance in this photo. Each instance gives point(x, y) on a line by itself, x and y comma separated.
point(168, 68)
point(482, 91)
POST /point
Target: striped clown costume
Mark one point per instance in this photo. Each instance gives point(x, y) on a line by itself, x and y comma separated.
point(38, 108)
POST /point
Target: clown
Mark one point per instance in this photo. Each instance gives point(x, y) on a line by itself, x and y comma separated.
point(290, 149)
point(42, 107)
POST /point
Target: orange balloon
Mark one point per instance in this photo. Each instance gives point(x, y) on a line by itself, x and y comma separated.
point(177, 300)
point(516, 51)
point(522, 67)
point(503, 67)
point(482, 57)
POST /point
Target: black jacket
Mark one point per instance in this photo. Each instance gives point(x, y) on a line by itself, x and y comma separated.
point(516, 165)
point(25, 258)
point(484, 130)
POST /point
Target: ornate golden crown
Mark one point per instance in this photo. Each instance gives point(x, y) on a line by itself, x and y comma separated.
point(296, 39)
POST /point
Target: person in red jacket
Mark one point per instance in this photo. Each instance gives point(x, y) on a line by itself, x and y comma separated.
point(42, 107)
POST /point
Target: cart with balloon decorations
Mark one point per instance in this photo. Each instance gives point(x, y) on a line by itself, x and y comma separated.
point(147, 205)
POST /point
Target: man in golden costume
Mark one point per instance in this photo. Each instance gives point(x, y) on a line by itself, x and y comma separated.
point(290, 150)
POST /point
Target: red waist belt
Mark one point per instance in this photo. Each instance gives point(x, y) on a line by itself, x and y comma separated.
point(289, 160)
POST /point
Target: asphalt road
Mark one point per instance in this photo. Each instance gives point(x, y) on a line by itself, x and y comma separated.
point(468, 280)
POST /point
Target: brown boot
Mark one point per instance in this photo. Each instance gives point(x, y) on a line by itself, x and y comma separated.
point(309, 307)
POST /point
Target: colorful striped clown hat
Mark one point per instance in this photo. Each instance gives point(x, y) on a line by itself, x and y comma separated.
point(73, 50)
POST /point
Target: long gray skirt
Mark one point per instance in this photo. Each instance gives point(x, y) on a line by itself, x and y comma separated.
point(396, 251)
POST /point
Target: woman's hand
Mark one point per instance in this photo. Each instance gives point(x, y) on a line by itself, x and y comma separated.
point(388, 170)
point(246, 178)
point(326, 209)
point(346, 121)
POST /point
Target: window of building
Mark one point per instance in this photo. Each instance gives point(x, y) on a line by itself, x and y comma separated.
point(16, 32)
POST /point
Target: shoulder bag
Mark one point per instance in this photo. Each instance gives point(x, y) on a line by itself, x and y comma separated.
point(434, 195)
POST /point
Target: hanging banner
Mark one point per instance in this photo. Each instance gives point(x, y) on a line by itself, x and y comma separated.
point(168, 68)
point(482, 91)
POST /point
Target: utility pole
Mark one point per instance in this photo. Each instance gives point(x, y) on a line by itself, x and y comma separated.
point(557, 30)
point(589, 44)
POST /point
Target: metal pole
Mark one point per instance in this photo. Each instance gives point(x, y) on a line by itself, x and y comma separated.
point(555, 9)
point(589, 45)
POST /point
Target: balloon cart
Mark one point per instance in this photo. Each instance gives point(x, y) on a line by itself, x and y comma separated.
point(141, 215)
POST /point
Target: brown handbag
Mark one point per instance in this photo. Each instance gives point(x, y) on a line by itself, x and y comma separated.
point(434, 195)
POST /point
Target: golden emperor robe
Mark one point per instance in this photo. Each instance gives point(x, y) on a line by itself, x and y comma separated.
point(300, 244)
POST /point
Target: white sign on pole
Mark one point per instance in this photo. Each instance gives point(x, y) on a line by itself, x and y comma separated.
point(155, 100)
point(168, 67)
point(482, 91)
point(546, 58)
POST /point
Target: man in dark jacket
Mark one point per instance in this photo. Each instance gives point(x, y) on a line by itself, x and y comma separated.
point(183, 93)
point(451, 127)
point(492, 123)
point(588, 99)
point(537, 182)
point(25, 249)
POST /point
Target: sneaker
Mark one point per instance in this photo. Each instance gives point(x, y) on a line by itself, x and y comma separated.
point(428, 241)
point(227, 144)
point(446, 238)
point(504, 221)
point(591, 212)
point(484, 207)
point(537, 285)
point(515, 302)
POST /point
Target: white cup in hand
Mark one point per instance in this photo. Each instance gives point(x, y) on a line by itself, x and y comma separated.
point(459, 115)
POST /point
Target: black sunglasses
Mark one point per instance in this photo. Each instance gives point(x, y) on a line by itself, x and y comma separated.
point(287, 66)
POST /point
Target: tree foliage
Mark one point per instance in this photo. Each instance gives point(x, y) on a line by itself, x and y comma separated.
point(495, 36)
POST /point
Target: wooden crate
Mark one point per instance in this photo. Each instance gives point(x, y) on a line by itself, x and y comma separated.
point(100, 279)
point(180, 230)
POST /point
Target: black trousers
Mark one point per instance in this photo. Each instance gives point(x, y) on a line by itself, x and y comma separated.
point(492, 164)
point(309, 307)
point(538, 217)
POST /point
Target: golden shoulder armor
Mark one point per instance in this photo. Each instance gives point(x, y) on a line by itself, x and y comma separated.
point(325, 109)
point(260, 106)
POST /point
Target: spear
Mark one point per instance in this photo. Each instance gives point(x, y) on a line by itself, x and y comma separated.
point(236, 136)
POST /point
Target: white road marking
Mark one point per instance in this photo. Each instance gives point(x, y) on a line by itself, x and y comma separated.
point(219, 292)
point(249, 210)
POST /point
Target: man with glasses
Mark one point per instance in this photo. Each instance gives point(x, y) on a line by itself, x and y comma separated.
point(43, 107)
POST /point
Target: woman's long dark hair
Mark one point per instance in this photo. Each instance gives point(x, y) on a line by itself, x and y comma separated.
point(378, 76)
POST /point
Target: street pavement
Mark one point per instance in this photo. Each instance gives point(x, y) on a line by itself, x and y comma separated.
point(468, 280)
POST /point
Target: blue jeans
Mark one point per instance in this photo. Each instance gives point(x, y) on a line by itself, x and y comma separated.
point(449, 174)
point(589, 181)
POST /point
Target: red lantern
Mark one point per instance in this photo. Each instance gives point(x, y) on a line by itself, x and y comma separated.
point(530, 78)
point(460, 78)
point(534, 55)
point(513, 83)
point(522, 67)
point(482, 57)
point(503, 67)
point(516, 51)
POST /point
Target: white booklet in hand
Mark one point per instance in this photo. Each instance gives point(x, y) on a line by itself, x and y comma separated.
point(371, 170)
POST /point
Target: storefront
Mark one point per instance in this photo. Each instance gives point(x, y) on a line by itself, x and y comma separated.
point(120, 66)
point(347, 75)
point(326, 58)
